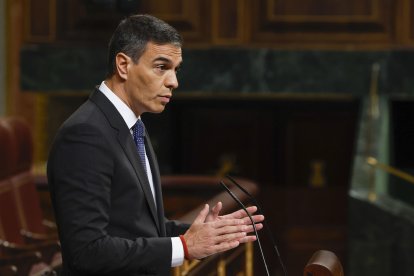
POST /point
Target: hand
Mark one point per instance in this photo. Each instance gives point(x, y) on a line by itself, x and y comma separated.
point(211, 233)
point(240, 214)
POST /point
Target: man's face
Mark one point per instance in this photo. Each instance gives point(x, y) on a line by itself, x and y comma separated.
point(149, 83)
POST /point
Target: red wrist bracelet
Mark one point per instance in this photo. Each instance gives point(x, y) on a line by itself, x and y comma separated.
point(184, 247)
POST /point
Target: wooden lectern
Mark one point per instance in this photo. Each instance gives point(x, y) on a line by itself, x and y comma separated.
point(323, 263)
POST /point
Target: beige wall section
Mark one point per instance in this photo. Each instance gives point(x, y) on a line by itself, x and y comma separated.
point(3, 99)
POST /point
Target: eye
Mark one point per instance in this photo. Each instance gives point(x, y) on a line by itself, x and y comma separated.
point(160, 67)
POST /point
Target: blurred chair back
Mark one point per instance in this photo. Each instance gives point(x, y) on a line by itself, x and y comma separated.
point(24, 142)
point(27, 198)
point(10, 224)
point(21, 220)
point(8, 150)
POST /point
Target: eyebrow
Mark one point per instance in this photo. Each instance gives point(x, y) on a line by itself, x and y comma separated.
point(163, 59)
point(167, 60)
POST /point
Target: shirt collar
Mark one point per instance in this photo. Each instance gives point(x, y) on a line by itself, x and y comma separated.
point(127, 114)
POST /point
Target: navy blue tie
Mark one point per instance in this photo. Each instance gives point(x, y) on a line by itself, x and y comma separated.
point(139, 135)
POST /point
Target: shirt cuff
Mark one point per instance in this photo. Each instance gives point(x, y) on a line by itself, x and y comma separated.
point(177, 252)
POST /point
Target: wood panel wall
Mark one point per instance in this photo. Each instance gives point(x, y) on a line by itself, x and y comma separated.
point(270, 23)
point(288, 24)
point(282, 24)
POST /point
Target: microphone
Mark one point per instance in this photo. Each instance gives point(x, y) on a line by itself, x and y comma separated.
point(269, 233)
point(251, 219)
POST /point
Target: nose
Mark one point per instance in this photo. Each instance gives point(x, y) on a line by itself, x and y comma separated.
point(171, 81)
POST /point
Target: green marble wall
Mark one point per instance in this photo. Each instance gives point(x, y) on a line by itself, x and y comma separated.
point(237, 70)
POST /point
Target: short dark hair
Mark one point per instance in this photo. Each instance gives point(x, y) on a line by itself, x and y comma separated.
point(133, 34)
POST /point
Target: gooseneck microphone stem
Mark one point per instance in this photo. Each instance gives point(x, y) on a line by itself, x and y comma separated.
point(264, 222)
point(251, 219)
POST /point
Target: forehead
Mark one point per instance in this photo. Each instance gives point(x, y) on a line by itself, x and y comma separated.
point(165, 51)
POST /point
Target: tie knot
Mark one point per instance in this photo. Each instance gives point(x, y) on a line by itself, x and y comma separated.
point(139, 129)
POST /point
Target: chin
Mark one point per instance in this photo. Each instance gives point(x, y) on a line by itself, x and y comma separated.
point(158, 110)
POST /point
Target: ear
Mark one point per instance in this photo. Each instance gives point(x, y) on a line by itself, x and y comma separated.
point(122, 65)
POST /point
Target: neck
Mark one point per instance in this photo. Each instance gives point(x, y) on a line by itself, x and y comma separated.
point(117, 87)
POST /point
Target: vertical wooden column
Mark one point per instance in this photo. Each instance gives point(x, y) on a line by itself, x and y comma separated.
point(230, 22)
point(27, 22)
point(404, 22)
point(40, 20)
point(18, 103)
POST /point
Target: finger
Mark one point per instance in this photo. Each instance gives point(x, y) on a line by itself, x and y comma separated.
point(250, 228)
point(256, 219)
point(251, 209)
point(250, 238)
point(259, 226)
point(216, 210)
point(231, 229)
point(213, 214)
point(202, 215)
point(224, 246)
point(227, 222)
point(229, 237)
point(241, 213)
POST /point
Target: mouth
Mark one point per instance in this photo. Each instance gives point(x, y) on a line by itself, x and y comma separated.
point(165, 98)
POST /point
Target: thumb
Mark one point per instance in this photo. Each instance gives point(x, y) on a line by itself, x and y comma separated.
point(216, 210)
point(202, 215)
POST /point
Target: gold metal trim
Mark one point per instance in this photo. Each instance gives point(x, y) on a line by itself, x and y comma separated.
point(391, 170)
point(249, 259)
point(221, 268)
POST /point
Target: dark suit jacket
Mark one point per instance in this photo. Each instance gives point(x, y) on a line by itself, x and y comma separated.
point(107, 220)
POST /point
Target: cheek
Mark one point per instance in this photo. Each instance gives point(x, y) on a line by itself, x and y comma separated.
point(147, 83)
point(154, 88)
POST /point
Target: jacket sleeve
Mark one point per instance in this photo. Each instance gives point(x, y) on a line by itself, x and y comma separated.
point(79, 173)
point(175, 228)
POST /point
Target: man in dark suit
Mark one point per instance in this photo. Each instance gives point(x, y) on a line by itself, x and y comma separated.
point(106, 189)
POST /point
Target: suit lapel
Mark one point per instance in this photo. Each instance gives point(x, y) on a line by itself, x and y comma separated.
point(157, 182)
point(127, 143)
